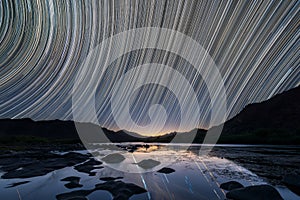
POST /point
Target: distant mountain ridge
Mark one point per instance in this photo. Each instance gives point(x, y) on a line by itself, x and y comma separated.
point(16, 130)
point(274, 121)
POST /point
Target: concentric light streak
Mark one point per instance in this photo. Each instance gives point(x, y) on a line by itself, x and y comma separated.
point(255, 45)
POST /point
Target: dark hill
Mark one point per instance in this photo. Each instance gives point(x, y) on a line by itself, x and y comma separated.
point(14, 131)
point(275, 121)
point(281, 112)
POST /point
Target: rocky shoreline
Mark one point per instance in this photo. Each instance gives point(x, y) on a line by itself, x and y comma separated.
point(276, 166)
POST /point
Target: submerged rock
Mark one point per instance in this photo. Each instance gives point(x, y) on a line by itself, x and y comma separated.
point(89, 166)
point(231, 185)
point(257, 192)
point(292, 181)
point(113, 158)
point(110, 178)
point(17, 183)
point(71, 179)
point(29, 165)
point(166, 170)
point(73, 182)
point(118, 189)
point(73, 185)
point(148, 164)
point(78, 194)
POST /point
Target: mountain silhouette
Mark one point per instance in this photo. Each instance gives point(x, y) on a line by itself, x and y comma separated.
point(274, 121)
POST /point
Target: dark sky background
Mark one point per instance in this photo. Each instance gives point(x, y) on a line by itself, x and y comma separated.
point(43, 45)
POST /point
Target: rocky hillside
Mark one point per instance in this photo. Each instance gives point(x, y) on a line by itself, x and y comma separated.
point(275, 121)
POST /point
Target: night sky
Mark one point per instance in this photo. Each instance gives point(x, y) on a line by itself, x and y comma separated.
point(45, 45)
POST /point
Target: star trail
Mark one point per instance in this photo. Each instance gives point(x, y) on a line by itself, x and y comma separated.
point(43, 45)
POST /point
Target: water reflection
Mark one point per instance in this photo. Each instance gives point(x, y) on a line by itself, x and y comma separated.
point(181, 174)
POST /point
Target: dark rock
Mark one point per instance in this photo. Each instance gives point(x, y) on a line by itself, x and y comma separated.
point(257, 192)
point(166, 170)
point(113, 158)
point(16, 184)
point(148, 164)
point(292, 181)
point(72, 185)
point(38, 164)
point(118, 189)
point(93, 162)
point(110, 178)
point(78, 194)
point(73, 182)
point(231, 185)
point(71, 179)
point(88, 167)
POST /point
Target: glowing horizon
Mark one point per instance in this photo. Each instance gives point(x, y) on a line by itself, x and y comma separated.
point(254, 47)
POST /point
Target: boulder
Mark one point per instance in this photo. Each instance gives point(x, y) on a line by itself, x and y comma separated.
point(89, 166)
point(148, 163)
point(110, 178)
point(231, 185)
point(166, 170)
point(113, 158)
point(292, 181)
point(257, 192)
point(73, 182)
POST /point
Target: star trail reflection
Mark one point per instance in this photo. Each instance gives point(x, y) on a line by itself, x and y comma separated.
point(255, 45)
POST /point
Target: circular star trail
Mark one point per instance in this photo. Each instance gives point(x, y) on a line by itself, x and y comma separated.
point(254, 44)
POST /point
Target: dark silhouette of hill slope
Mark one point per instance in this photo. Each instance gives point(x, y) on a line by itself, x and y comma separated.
point(281, 112)
point(274, 121)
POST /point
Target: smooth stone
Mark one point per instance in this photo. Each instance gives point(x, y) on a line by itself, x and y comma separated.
point(148, 163)
point(73, 182)
point(292, 181)
point(118, 189)
point(110, 178)
point(32, 165)
point(166, 170)
point(17, 183)
point(257, 192)
point(88, 167)
point(73, 185)
point(113, 158)
point(231, 185)
point(71, 179)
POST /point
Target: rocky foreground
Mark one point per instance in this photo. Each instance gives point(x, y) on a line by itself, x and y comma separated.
point(259, 192)
point(273, 163)
point(28, 164)
point(276, 166)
